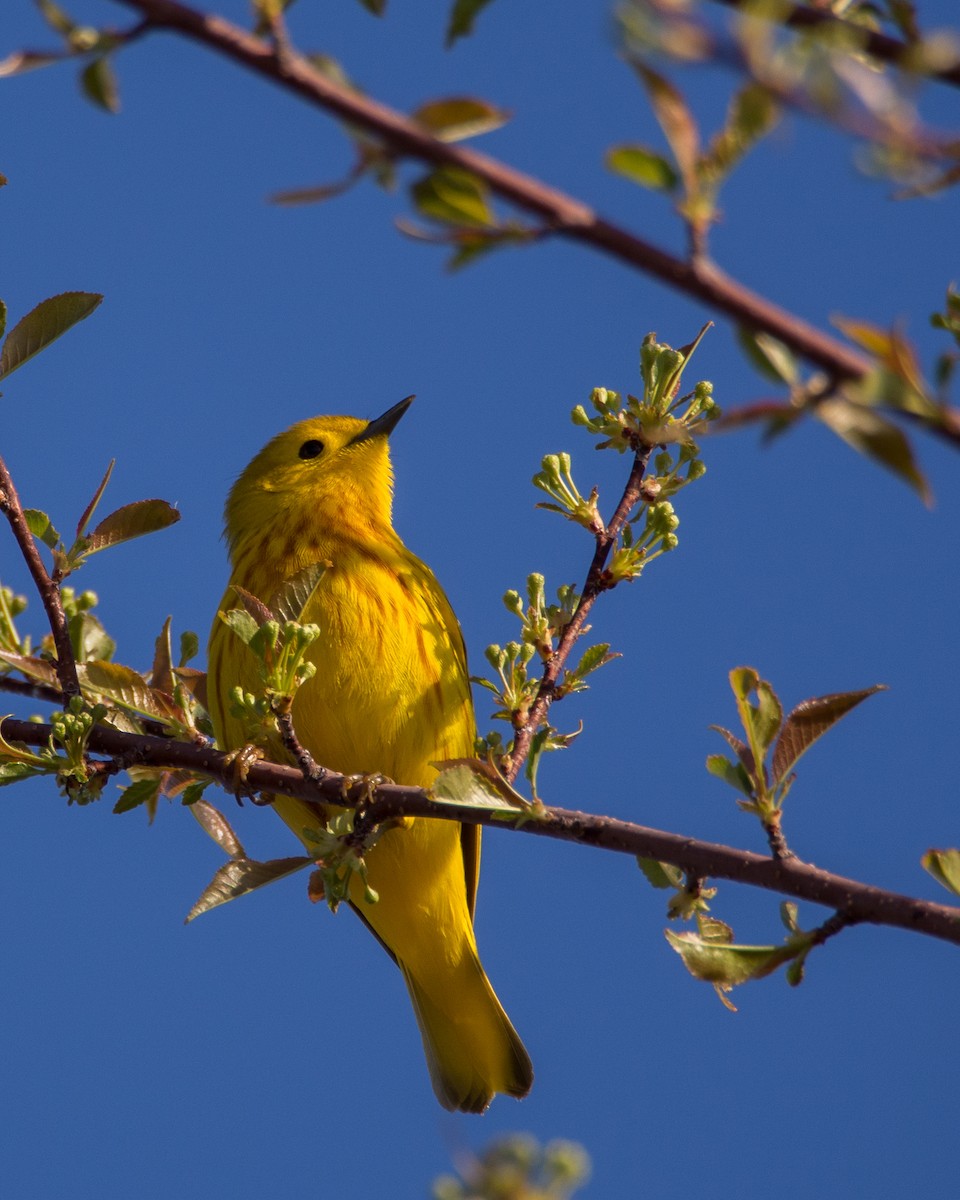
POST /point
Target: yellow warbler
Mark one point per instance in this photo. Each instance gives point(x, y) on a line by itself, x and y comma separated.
point(390, 695)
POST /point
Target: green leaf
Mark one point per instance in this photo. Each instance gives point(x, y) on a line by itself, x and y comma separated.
point(944, 866)
point(457, 117)
point(88, 638)
point(144, 791)
point(593, 658)
point(539, 744)
point(734, 774)
point(876, 438)
point(242, 875)
point(771, 357)
point(132, 521)
point(453, 197)
point(189, 647)
point(472, 783)
point(98, 83)
point(809, 721)
point(761, 721)
point(193, 792)
point(642, 165)
point(752, 113)
point(290, 602)
point(462, 17)
point(769, 714)
point(660, 874)
point(14, 772)
point(724, 963)
point(242, 624)
point(41, 527)
point(43, 325)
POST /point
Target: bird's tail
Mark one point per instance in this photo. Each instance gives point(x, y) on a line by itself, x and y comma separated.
point(472, 1049)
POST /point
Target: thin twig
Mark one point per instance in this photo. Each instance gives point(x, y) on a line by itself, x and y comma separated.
point(852, 900)
point(831, 927)
point(594, 584)
point(292, 744)
point(46, 585)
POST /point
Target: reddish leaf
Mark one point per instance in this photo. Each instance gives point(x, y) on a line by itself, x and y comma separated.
point(809, 721)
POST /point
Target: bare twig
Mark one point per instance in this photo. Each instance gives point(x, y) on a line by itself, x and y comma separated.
point(853, 901)
point(47, 586)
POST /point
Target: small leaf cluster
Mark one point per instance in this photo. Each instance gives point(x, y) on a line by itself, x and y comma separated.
point(280, 649)
point(518, 1168)
point(339, 858)
point(64, 756)
point(764, 785)
point(280, 641)
point(542, 624)
point(71, 729)
point(694, 173)
point(97, 79)
point(131, 521)
point(762, 773)
point(635, 550)
point(855, 411)
point(689, 897)
point(712, 955)
point(555, 479)
point(663, 416)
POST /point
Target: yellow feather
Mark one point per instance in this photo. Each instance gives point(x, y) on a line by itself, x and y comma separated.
point(391, 695)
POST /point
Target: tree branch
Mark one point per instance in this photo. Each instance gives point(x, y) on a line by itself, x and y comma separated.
point(855, 902)
point(593, 586)
point(878, 45)
point(563, 214)
point(46, 585)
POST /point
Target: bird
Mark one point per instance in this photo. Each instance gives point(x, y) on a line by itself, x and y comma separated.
point(390, 697)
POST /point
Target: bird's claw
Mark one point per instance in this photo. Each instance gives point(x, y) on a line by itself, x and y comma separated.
point(239, 762)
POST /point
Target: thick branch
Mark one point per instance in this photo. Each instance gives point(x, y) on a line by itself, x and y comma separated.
point(47, 587)
point(567, 216)
point(855, 902)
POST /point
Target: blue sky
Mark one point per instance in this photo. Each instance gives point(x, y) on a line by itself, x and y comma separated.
point(269, 1048)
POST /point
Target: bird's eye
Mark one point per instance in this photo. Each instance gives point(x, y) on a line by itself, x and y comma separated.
point(311, 449)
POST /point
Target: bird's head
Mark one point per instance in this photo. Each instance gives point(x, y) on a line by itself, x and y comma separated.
point(323, 477)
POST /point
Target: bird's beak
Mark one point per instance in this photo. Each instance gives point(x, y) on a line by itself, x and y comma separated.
point(383, 425)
